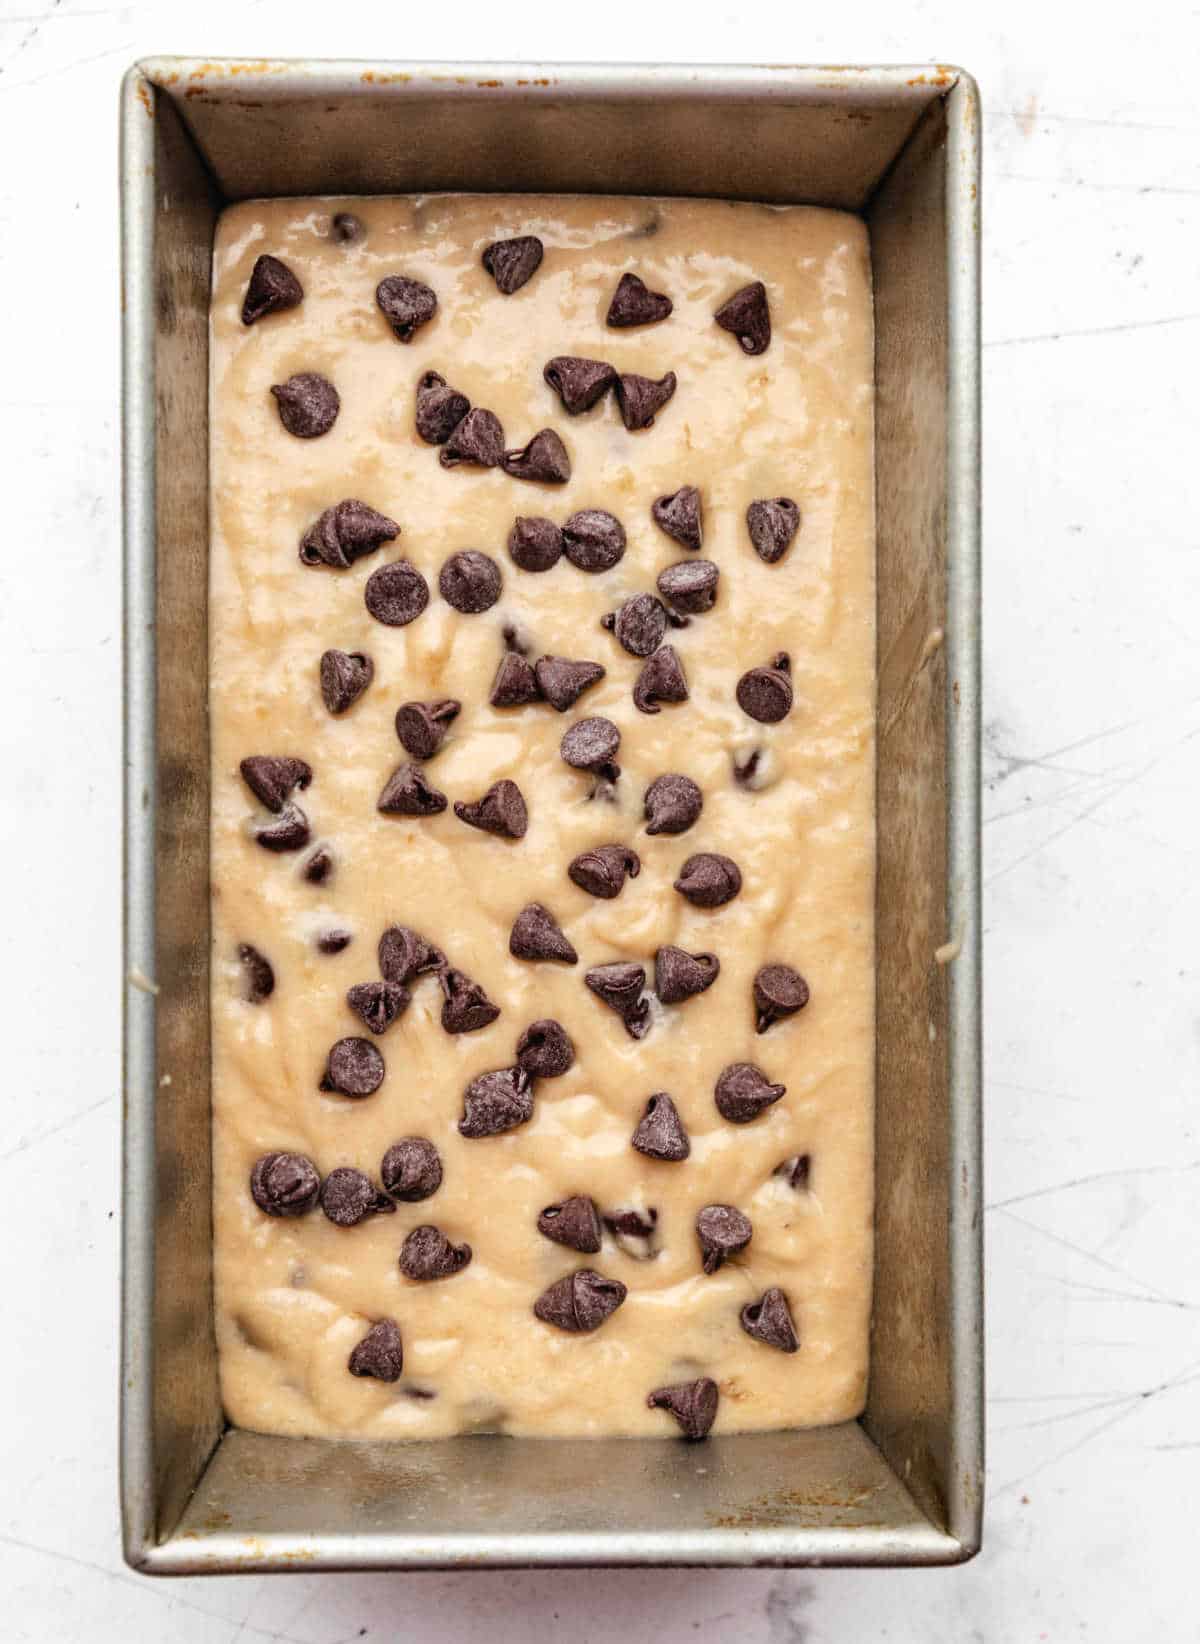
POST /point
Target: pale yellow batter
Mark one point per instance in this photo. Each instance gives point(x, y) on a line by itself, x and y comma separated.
point(295, 1296)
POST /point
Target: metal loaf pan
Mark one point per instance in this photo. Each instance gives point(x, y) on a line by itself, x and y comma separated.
point(904, 1484)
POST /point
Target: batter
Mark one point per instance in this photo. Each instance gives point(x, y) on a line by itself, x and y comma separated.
point(542, 695)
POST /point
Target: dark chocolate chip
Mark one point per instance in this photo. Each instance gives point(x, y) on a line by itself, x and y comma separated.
point(258, 978)
point(515, 683)
point(334, 941)
point(709, 880)
point(633, 303)
point(578, 382)
point(692, 1403)
point(346, 228)
point(562, 682)
point(661, 680)
point(405, 304)
point(769, 1320)
point(354, 1068)
point(284, 1184)
point(501, 810)
point(796, 1171)
point(779, 991)
point(579, 1302)
point(536, 934)
point(348, 1197)
point(679, 975)
point(272, 287)
point(634, 1232)
point(272, 778)
point(407, 792)
point(743, 1091)
point(422, 726)
point(470, 581)
point(593, 540)
point(495, 1102)
point(308, 404)
point(466, 1007)
point(544, 460)
point(396, 594)
point(345, 675)
point(641, 398)
point(380, 1353)
point(440, 408)
point(378, 1003)
point(477, 439)
point(545, 1050)
point(773, 524)
point(289, 831)
point(621, 986)
point(535, 544)
point(601, 871)
point(344, 533)
point(672, 804)
point(723, 1232)
point(591, 744)
point(690, 586)
point(319, 866)
point(747, 315)
point(660, 1133)
point(574, 1222)
point(411, 1169)
point(638, 625)
point(404, 954)
point(428, 1254)
point(679, 515)
point(512, 263)
point(766, 693)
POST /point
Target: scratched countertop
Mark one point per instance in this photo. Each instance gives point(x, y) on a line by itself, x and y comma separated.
point(1092, 766)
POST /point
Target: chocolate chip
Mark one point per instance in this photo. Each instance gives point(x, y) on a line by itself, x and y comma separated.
point(779, 991)
point(380, 1354)
point(743, 1091)
point(543, 460)
point(284, 1184)
point(620, 986)
point(422, 726)
point(334, 941)
point(289, 832)
point(346, 228)
point(690, 586)
point(428, 1254)
point(772, 525)
point(752, 768)
point(591, 744)
point(536, 934)
point(679, 975)
point(766, 693)
point(660, 1133)
point(354, 1068)
point(578, 382)
point(580, 1302)
point(319, 866)
point(501, 810)
point(411, 1169)
point(466, 1007)
point(679, 515)
point(405, 304)
point(514, 684)
point(272, 778)
point(440, 408)
point(345, 675)
point(308, 404)
point(796, 1171)
point(272, 288)
point(396, 594)
point(709, 880)
point(478, 439)
point(593, 540)
point(633, 303)
point(672, 804)
point(512, 263)
point(470, 581)
point(692, 1403)
point(748, 317)
point(661, 680)
point(641, 398)
point(403, 954)
point(545, 1050)
point(344, 533)
point(601, 871)
point(723, 1232)
point(258, 978)
point(562, 682)
point(634, 1232)
point(348, 1197)
point(769, 1320)
point(574, 1222)
point(378, 1003)
point(495, 1102)
point(638, 625)
point(535, 544)
point(407, 792)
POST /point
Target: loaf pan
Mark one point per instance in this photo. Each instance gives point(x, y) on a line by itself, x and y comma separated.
point(902, 1486)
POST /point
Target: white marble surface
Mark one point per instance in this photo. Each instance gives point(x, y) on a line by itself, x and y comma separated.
point(1092, 582)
